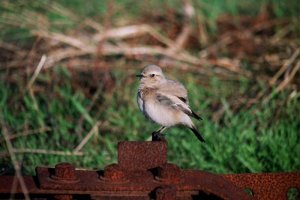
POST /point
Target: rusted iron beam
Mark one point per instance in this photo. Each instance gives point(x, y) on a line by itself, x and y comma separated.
point(263, 186)
point(142, 172)
point(266, 185)
point(189, 183)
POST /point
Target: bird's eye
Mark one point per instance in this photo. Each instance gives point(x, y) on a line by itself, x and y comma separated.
point(152, 75)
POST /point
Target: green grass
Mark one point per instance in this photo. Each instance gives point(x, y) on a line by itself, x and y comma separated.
point(263, 138)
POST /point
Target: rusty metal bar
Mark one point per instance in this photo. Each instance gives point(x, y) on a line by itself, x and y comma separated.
point(142, 172)
point(266, 185)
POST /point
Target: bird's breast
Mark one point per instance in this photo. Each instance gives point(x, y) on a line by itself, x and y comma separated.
point(161, 114)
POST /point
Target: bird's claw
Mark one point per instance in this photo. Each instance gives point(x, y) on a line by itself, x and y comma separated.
point(157, 136)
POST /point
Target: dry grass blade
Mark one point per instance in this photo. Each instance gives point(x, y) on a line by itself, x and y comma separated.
point(44, 151)
point(72, 41)
point(229, 64)
point(26, 133)
point(284, 83)
point(59, 9)
point(281, 34)
point(10, 47)
point(93, 131)
point(91, 23)
point(37, 71)
point(149, 50)
point(224, 41)
point(182, 38)
point(13, 188)
point(62, 54)
point(132, 31)
point(88, 109)
point(289, 78)
point(14, 160)
point(284, 67)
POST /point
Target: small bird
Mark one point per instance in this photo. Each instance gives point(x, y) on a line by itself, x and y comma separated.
point(164, 101)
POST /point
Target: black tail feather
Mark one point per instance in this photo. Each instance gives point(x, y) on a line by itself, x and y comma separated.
point(198, 134)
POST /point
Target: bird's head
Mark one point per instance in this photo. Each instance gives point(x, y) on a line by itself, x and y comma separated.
point(151, 76)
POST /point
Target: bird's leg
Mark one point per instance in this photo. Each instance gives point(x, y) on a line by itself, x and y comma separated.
point(157, 136)
point(161, 129)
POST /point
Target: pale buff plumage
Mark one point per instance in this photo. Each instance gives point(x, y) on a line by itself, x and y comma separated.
point(164, 101)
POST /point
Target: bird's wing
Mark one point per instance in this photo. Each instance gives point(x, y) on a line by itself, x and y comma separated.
point(174, 88)
point(140, 101)
point(173, 102)
point(174, 93)
point(192, 113)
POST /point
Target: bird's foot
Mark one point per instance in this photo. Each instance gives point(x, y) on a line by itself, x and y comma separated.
point(157, 136)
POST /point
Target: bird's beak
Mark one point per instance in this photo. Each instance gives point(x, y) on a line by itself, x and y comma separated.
point(139, 75)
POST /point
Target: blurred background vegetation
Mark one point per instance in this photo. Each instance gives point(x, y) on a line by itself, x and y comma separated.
point(68, 91)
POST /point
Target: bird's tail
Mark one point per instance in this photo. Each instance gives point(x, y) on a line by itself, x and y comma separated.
point(197, 133)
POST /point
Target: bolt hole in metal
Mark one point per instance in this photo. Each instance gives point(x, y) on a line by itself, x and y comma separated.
point(293, 194)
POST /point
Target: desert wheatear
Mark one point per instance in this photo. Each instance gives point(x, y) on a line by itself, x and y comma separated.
point(164, 101)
